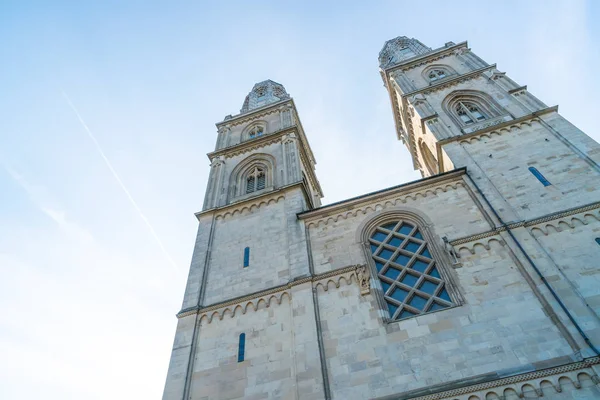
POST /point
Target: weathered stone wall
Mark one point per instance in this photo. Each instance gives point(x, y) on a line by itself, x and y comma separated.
point(335, 240)
point(277, 248)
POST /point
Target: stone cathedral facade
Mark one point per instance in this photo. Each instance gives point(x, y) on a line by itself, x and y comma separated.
point(480, 281)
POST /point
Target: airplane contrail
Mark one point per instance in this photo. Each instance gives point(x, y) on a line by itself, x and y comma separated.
point(120, 182)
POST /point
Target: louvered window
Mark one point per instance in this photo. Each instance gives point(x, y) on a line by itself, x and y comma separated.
point(409, 276)
point(255, 180)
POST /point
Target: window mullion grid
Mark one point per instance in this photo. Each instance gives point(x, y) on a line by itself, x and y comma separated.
point(466, 109)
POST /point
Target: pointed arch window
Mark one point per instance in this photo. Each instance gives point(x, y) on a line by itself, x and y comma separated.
point(469, 112)
point(255, 180)
point(410, 279)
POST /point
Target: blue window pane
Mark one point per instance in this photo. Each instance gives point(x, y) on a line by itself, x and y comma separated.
point(426, 253)
point(418, 235)
point(378, 265)
point(246, 257)
point(436, 306)
point(402, 259)
point(444, 295)
point(409, 280)
point(412, 247)
point(598, 241)
point(241, 347)
point(434, 272)
point(405, 314)
point(392, 308)
point(386, 254)
point(389, 226)
point(420, 266)
point(405, 229)
point(539, 176)
point(399, 294)
point(374, 248)
point(428, 287)
point(396, 242)
point(385, 286)
point(380, 237)
point(392, 273)
point(417, 302)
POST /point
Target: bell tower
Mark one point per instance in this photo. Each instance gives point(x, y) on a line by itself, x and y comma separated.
point(249, 241)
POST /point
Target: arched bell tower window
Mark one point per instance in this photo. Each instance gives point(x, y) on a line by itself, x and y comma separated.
point(255, 132)
point(436, 74)
point(409, 276)
point(255, 180)
point(468, 107)
point(469, 112)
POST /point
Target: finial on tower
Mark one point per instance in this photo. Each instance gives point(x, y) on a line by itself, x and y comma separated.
point(263, 93)
point(400, 49)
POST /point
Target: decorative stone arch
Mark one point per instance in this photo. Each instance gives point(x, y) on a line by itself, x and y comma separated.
point(431, 162)
point(239, 175)
point(422, 233)
point(254, 130)
point(463, 99)
point(431, 75)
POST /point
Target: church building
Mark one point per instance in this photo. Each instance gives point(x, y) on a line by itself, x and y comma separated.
point(480, 281)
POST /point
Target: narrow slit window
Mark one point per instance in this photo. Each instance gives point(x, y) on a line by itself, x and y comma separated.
point(539, 176)
point(246, 257)
point(242, 347)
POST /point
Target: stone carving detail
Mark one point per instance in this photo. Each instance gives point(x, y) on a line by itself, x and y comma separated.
point(399, 49)
point(364, 281)
point(286, 118)
point(264, 93)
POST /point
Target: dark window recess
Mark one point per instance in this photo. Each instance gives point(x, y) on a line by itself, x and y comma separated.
point(246, 257)
point(598, 241)
point(242, 347)
point(539, 176)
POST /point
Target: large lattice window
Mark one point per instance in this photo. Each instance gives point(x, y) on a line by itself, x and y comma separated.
point(255, 180)
point(409, 276)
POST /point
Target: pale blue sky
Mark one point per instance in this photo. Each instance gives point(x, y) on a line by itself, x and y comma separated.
point(87, 295)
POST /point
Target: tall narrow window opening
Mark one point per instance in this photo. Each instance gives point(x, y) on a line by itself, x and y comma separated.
point(241, 347)
point(409, 276)
point(539, 176)
point(255, 180)
point(246, 257)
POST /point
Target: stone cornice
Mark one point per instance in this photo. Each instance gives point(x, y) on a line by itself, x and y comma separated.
point(500, 126)
point(452, 81)
point(422, 185)
point(269, 197)
point(527, 224)
point(271, 138)
point(497, 384)
point(427, 58)
point(252, 144)
point(264, 294)
point(254, 114)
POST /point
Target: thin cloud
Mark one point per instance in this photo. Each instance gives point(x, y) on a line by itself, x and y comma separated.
point(120, 182)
